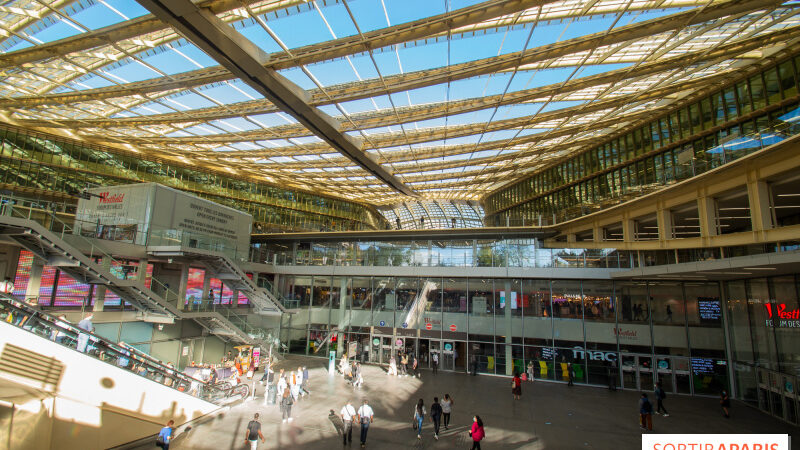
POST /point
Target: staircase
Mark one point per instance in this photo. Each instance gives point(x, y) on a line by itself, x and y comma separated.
point(155, 304)
point(223, 268)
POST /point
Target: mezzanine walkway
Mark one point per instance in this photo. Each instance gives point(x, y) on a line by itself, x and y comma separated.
point(549, 416)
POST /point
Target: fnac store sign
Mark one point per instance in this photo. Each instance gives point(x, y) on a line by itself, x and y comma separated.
point(780, 315)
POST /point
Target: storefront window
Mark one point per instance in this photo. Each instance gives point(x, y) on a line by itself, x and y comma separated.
point(668, 317)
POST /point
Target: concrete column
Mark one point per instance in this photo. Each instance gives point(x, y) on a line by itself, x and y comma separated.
point(141, 272)
point(207, 285)
point(597, 233)
point(571, 237)
point(627, 230)
point(35, 280)
point(664, 219)
point(343, 319)
point(507, 331)
point(707, 211)
point(100, 292)
point(234, 297)
point(760, 212)
point(275, 283)
point(182, 284)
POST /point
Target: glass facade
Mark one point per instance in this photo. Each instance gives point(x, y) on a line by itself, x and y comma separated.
point(631, 333)
point(764, 330)
point(686, 142)
point(55, 166)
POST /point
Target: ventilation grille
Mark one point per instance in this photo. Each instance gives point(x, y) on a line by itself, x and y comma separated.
point(31, 366)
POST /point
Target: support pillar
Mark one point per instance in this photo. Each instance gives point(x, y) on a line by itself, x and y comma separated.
point(707, 212)
point(100, 293)
point(207, 286)
point(628, 230)
point(760, 200)
point(507, 332)
point(35, 279)
point(342, 317)
point(141, 271)
point(597, 233)
point(182, 285)
point(665, 229)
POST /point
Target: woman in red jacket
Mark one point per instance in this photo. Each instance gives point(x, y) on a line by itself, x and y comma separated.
point(477, 432)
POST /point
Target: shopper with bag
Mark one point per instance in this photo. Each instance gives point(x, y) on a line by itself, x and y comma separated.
point(165, 436)
point(419, 417)
point(365, 415)
point(476, 432)
point(349, 416)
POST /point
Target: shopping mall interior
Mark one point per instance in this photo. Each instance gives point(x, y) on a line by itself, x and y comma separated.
point(594, 198)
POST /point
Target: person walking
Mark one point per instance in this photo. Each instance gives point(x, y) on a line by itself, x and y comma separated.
point(286, 405)
point(419, 417)
point(447, 408)
point(611, 373)
point(725, 403)
point(304, 386)
point(392, 367)
point(435, 362)
point(476, 432)
point(660, 396)
point(253, 433)
point(516, 386)
point(348, 415)
point(294, 386)
point(165, 436)
point(300, 381)
point(365, 416)
point(436, 417)
point(473, 365)
point(570, 374)
point(83, 338)
point(404, 364)
point(530, 370)
point(645, 413)
point(414, 366)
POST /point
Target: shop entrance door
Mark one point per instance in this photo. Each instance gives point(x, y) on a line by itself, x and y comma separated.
point(776, 394)
point(673, 373)
point(637, 372)
point(447, 351)
point(448, 359)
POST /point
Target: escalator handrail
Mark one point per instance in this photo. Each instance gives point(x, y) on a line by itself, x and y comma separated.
point(133, 355)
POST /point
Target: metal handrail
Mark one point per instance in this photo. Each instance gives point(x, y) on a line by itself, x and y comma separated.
point(25, 316)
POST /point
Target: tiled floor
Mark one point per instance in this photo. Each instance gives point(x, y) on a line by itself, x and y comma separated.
point(550, 415)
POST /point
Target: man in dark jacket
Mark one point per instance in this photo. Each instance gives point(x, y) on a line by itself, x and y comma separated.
point(645, 413)
point(660, 396)
point(436, 416)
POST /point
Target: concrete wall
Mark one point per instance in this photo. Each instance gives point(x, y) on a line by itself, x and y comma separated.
point(94, 405)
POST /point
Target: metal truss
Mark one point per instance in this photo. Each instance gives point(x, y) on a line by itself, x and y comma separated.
point(383, 154)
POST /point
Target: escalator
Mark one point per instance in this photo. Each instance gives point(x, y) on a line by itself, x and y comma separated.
point(63, 387)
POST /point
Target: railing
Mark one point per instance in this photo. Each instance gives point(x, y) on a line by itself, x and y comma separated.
point(689, 163)
point(59, 330)
point(107, 228)
point(286, 302)
point(48, 217)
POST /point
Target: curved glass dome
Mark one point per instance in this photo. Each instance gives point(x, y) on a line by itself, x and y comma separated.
point(429, 214)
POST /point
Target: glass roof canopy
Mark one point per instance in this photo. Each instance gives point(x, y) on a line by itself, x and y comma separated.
point(453, 114)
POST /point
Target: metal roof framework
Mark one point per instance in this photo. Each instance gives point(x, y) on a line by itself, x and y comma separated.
point(451, 104)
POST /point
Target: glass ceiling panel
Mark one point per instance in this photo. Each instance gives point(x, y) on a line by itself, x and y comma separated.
point(441, 109)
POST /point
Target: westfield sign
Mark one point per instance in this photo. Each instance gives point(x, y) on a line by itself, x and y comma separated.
point(779, 315)
point(106, 197)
